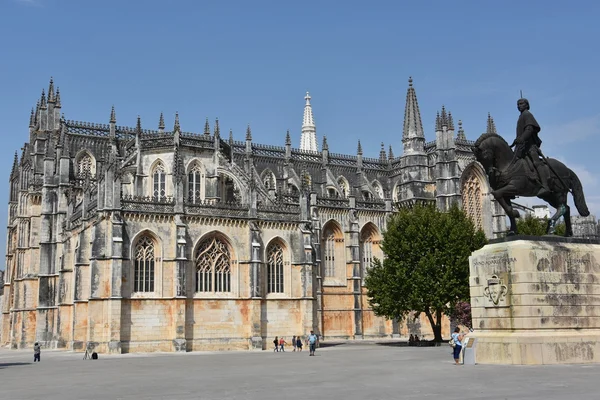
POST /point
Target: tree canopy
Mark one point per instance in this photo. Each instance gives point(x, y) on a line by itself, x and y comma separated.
point(532, 226)
point(426, 264)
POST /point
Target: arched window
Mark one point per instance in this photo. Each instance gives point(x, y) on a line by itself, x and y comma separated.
point(344, 186)
point(85, 166)
point(195, 180)
point(333, 251)
point(269, 180)
point(143, 279)
point(213, 266)
point(472, 197)
point(369, 247)
point(378, 190)
point(158, 180)
point(275, 268)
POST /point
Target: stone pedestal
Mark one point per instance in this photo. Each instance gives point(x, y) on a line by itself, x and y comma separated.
point(536, 301)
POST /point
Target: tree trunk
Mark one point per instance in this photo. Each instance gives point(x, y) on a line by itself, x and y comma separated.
point(436, 326)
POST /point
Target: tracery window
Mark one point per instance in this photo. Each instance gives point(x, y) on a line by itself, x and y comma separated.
point(473, 200)
point(144, 265)
point(195, 178)
point(85, 166)
point(367, 254)
point(329, 258)
point(275, 268)
point(378, 190)
point(158, 179)
point(213, 266)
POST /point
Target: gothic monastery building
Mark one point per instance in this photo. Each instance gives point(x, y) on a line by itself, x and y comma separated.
point(129, 239)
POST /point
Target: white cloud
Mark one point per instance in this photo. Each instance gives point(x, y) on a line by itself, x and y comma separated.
point(573, 131)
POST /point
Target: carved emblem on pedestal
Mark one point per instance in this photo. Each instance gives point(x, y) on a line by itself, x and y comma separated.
point(495, 292)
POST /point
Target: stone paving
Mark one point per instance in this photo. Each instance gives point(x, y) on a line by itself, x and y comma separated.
point(348, 372)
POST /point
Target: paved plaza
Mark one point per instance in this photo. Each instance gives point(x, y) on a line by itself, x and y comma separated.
point(348, 372)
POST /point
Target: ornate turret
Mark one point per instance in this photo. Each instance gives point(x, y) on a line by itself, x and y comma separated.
point(161, 123)
point(391, 153)
point(206, 127)
point(51, 98)
point(382, 155)
point(288, 139)
point(176, 126)
point(461, 133)
point(308, 140)
point(359, 150)
point(248, 133)
point(491, 126)
point(138, 126)
point(113, 116)
point(413, 137)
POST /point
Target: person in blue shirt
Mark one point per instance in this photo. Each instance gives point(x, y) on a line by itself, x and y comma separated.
point(457, 337)
point(312, 342)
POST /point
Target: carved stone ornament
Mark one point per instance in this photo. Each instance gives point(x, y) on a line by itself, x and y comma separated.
point(495, 292)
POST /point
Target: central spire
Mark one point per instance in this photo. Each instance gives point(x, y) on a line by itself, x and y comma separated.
point(413, 136)
point(308, 140)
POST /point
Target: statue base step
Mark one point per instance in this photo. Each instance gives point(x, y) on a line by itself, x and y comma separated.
point(536, 301)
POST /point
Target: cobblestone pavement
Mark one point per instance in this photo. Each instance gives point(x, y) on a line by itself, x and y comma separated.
point(348, 372)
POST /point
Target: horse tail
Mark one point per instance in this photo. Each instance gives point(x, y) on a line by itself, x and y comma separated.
point(578, 196)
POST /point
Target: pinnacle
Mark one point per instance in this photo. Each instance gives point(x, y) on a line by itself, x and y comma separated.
point(57, 98)
point(248, 133)
point(359, 149)
point(288, 139)
point(206, 127)
point(413, 127)
point(217, 130)
point(43, 99)
point(51, 91)
point(382, 155)
point(325, 145)
point(32, 118)
point(450, 121)
point(176, 126)
point(391, 153)
point(161, 121)
point(138, 126)
point(230, 135)
point(491, 126)
point(410, 81)
point(113, 116)
point(461, 132)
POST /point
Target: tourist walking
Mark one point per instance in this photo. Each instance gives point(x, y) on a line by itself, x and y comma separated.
point(37, 351)
point(312, 342)
point(294, 342)
point(457, 337)
point(282, 343)
point(299, 343)
point(276, 343)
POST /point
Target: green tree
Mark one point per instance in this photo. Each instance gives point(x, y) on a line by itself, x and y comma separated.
point(531, 226)
point(426, 264)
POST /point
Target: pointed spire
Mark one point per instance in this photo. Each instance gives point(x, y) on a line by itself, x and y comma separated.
point(15, 165)
point(113, 115)
point(325, 145)
point(43, 100)
point(359, 149)
point(438, 122)
point(248, 133)
point(461, 132)
point(32, 119)
point(217, 129)
point(382, 155)
point(57, 98)
point(230, 135)
point(450, 121)
point(138, 126)
point(491, 126)
point(51, 91)
point(37, 110)
point(176, 126)
point(206, 127)
point(161, 121)
point(413, 136)
point(391, 153)
point(308, 139)
point(288, 139)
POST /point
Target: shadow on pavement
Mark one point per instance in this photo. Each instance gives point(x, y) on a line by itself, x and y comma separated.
point(13, 364)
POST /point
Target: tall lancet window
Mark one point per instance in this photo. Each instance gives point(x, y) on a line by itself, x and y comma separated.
point(330, 254)
point(213, 266)
point(275, 268)
point(158, 178)
point(195, 179)
point(143, 280)
point(85, 166)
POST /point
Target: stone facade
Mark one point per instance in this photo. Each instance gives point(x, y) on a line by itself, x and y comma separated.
point(130, 239)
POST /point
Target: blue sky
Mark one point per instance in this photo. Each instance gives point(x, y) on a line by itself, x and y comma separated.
point(252, 61)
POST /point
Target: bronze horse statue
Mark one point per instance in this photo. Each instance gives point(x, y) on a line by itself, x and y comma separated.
point(510, 176)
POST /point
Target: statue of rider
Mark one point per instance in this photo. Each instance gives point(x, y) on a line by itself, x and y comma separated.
point(528, 143)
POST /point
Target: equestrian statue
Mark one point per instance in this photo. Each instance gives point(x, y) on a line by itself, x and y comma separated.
point(527, 172)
